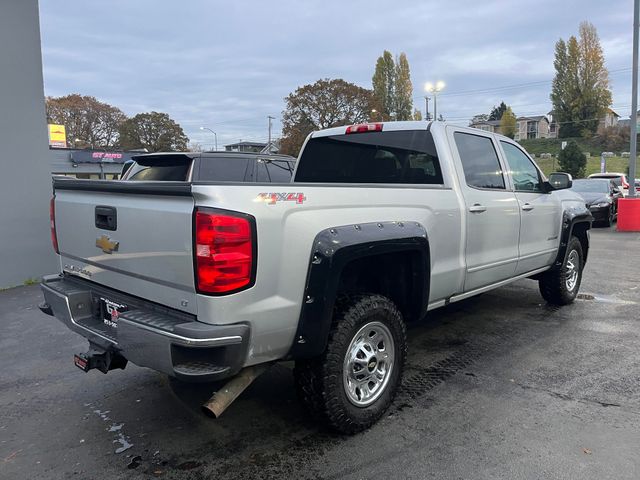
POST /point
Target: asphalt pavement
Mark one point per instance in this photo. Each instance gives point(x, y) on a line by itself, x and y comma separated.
point(501, 386)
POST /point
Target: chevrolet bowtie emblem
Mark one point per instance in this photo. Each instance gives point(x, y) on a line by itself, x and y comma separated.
point(107, 245)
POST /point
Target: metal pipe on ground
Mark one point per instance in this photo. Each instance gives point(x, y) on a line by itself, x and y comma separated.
point(224, 397)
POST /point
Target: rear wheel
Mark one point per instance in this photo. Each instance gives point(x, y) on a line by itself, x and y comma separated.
point(351, 385)
point(559, 286)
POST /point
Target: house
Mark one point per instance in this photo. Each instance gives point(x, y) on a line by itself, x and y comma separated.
point(492, 126)
point(536, 126)
point(255, 147)
point(610, 119)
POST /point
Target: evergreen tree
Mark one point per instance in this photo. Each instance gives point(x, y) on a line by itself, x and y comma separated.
point(384, 86)
point(572, 160)
point(403, 89)
point(497, 112)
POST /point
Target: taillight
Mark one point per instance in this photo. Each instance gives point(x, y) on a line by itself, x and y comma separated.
point(224, 251)
point(364, 127)
point(52, 219)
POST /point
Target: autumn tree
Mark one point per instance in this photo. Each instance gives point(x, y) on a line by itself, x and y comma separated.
point(155, 131)
point(580, 91)
point(323, 104)
point(94, 123)
point(417, 114)
point(482, 117)
point(508, 124)
point(497, 112)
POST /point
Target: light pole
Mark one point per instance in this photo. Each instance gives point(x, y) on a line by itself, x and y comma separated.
point(434, 90)
point(215, 136)
point(426, 104)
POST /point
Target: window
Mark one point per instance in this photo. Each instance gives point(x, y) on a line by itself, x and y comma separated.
point(405, 157)
point(526, 177)
point(276, 171)
point(223, 169)
point(479, 161)
point(158, 172)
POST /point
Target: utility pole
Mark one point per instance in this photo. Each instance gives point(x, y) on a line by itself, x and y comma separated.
point(634, 102)
point(269, 117)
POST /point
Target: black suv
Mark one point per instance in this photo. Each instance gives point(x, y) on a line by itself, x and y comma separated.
point(210, 166)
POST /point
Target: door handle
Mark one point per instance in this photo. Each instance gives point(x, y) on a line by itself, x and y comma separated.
point(477, 208)
point(527, 206)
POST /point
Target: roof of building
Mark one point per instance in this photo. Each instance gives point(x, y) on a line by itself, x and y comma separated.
point(247, 144)
point(535, 118)
point(495, 123)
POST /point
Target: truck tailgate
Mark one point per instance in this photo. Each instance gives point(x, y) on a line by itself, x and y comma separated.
point(135, 237)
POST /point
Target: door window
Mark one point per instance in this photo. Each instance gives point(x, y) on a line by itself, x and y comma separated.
point(277, 171)
point(526, 177)
point(479, 161)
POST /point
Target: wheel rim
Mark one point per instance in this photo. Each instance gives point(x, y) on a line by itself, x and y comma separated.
point(368, 364)
point(572, 270)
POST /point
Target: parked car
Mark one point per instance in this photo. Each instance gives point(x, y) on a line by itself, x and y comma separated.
point(205, 280)
point(210, 166)
point(601, 198)
point(620, 179)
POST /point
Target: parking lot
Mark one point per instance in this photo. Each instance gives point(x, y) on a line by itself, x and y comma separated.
point(499, 386)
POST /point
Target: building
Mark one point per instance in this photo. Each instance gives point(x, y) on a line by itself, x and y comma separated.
point(610, 119)
point(87, 163)
point(255, 147)
point(492, 126)
point(536, 126)
point(25, 183)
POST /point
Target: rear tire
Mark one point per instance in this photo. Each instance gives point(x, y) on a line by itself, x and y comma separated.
point(559, 286)
point(351, 385)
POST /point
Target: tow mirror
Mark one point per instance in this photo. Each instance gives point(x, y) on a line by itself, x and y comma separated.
point(560, 181)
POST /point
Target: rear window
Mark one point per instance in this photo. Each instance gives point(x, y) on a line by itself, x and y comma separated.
point(223, 169)
point(407, 156)
point(276, 171)
point(173, 173)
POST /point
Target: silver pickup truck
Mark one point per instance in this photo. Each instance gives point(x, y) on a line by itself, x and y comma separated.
point(382, 222)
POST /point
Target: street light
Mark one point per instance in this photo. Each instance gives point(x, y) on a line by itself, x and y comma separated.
point(373, 114)
point(434, 90)
point(215, 135)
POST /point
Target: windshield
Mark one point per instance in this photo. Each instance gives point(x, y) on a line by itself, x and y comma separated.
point(595, 186)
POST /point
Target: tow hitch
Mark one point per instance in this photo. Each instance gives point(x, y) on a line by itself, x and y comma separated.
point(103, 360)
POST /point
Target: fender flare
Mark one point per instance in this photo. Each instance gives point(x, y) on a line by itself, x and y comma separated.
point(570, 218)
point(333, 249)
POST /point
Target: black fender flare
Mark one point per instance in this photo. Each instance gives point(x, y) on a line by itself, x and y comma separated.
point(334, 248)
point(570, 218)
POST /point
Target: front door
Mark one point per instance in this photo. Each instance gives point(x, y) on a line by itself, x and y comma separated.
point(492, 212)
point(540, 212)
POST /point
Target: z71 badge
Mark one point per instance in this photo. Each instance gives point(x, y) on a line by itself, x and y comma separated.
point(273, 198)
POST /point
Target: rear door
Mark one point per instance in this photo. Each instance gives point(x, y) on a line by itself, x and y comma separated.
point(539, 211)
point(493, 217)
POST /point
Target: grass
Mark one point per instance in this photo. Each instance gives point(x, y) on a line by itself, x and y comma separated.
point(614, 164)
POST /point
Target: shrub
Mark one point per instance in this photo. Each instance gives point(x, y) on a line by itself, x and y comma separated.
point(572, 160)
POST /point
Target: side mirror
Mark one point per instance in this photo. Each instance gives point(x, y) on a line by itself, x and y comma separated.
point(560, 181)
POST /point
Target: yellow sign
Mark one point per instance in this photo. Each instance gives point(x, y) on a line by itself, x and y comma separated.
point(57, 136)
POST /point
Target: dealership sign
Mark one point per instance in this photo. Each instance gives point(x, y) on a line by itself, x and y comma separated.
point(57, 136)
point(90, 156)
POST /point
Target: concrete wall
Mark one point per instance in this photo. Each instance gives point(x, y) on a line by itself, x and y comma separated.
point(25, 178)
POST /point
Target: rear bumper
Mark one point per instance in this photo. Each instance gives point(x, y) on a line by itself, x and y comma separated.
point(147, 334)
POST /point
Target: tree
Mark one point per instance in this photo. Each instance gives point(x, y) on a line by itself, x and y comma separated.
point(94, 123)
point(572, 160)
point(483, 117)
point(497, 112)
point(417, 115)
point(384, 86)
point(508, 123)
point(403, 94)
point(323, 104)
point(155, 131)
point(580, 91)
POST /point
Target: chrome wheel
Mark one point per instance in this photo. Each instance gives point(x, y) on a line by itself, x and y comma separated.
point(572, 270)
point(368, 364)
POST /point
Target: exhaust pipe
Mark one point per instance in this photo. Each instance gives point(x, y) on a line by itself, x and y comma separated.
point(224, 397)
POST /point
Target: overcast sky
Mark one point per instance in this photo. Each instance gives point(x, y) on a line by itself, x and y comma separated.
point(227, 65)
